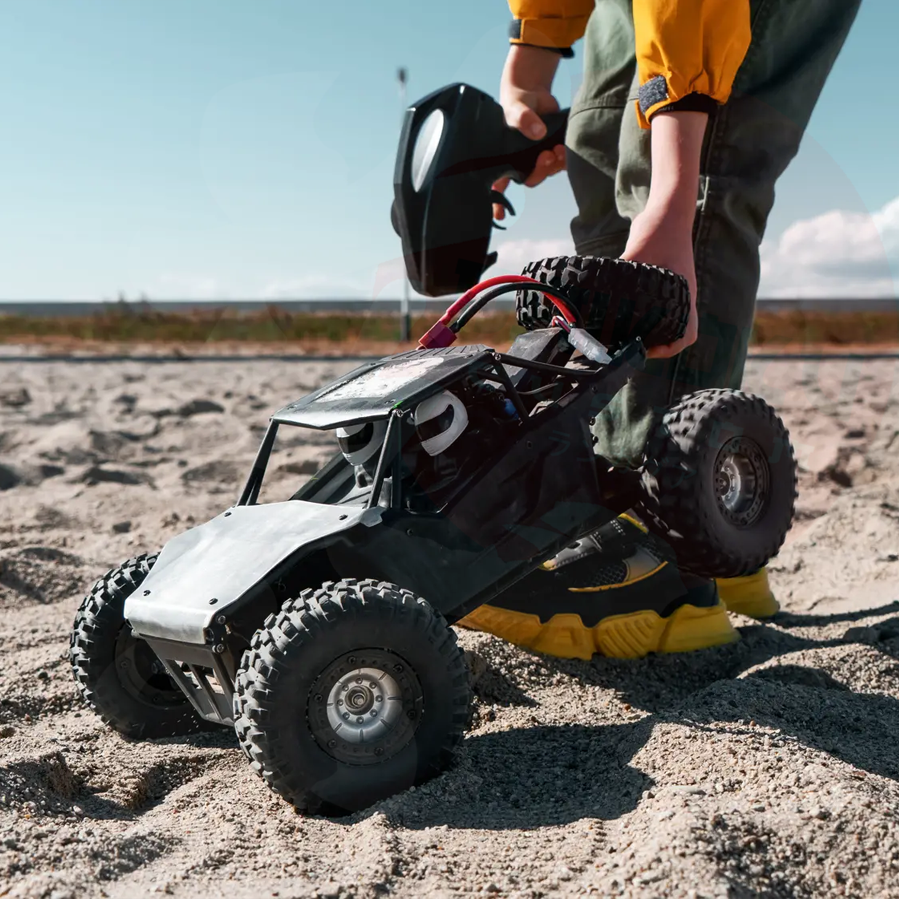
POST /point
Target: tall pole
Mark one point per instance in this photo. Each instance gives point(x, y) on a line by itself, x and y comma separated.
point(402, 76)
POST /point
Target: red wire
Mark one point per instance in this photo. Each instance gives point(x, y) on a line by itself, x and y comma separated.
point(470, 294)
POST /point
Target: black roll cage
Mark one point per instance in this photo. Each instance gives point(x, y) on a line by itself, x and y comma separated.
point(632, 354)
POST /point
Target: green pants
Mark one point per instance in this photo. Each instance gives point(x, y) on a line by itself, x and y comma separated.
point(749, 143)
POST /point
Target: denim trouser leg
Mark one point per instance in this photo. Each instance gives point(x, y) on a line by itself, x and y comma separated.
point(749, 143)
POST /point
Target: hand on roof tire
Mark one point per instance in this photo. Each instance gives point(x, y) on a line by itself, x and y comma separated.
point(665, 240)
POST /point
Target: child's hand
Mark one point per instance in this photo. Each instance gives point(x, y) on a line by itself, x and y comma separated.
point(663, 236)
point(526, 94)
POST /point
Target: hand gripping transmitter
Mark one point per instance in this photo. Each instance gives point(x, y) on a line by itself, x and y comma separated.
point(454, 145)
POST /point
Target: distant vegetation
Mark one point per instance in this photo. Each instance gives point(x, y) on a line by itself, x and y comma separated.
point(834, 328)
point(125, 323)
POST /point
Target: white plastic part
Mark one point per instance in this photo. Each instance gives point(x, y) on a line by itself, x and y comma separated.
point(589, 346)
point(373, 441)
point(435, 407)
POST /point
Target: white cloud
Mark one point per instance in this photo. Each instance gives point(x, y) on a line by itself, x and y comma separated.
point(837, 254)
point(514, 255)
point(887, 221)
point(313, 287)
point(387, 280)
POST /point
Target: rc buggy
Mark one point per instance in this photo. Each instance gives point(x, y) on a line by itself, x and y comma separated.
point(318, 625)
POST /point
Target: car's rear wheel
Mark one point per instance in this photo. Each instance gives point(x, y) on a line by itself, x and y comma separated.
point(619, 300)
point(349, 694)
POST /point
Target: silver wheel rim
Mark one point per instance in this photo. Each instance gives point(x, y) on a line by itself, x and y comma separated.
point(350, 686)
point(741, 481)
point(364, 704)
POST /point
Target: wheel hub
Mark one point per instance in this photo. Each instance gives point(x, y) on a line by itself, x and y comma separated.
point(365, 707)
point(741, 481)
point(364, 704)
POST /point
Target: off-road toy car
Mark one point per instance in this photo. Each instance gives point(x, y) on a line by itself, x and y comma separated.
point(319, 626)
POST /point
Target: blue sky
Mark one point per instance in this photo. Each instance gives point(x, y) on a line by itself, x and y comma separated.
point(225, 149)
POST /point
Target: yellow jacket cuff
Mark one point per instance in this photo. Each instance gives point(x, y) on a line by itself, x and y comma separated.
point(555, 24)
point(688, 48)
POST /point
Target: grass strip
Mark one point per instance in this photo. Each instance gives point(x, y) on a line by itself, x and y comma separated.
point(124, 323)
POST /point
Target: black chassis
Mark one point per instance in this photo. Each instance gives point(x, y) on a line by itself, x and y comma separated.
point(214, 585)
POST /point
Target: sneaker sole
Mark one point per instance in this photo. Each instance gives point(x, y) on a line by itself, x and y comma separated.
point(750, 595)
point(630, 636)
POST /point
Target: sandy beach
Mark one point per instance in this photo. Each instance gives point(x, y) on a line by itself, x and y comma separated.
point(769, 767)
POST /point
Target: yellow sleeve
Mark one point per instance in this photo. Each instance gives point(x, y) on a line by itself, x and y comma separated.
point(688, 47)
point(549, 23)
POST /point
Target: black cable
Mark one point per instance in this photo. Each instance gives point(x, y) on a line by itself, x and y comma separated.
point(477, 304)
point(482, 299)
point(559, 295)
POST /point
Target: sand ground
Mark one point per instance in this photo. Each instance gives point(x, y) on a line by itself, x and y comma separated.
point(764, 768)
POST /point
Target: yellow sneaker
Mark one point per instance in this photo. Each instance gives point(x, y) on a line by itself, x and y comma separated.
point(750, 595)
point(613, 592)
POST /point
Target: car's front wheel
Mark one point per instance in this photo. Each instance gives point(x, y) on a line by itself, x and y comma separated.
point(351, 693)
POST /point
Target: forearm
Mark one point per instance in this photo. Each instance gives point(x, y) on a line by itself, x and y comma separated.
point(663, 233)
point(529, 68)
point(525, 91)
point(525, 94)
point(676, 140)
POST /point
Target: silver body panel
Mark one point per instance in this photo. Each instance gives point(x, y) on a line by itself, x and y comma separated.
point(223, 559)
